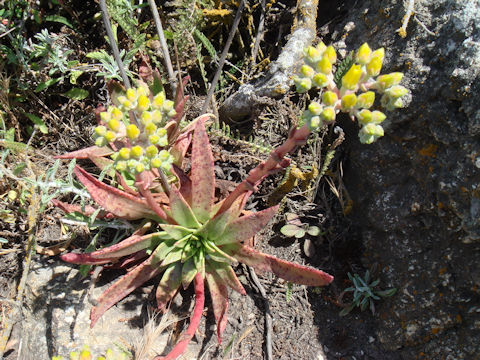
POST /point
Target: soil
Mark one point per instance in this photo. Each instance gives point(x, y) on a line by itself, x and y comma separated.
point(306, 321)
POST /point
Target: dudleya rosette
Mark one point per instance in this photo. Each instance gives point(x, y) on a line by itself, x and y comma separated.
point(353, 93)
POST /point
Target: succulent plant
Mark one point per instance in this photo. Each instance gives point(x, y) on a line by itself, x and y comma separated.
point(196, 237)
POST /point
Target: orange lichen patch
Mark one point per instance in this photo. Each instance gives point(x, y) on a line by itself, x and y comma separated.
point(463, 189)
point(436, 330)
point(430, 169)
point(440, 205)
point(443, 270)
point(428, 151)
point(458, 318)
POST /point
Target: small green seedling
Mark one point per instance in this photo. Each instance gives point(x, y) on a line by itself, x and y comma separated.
point(364, 293)
point(295, 228)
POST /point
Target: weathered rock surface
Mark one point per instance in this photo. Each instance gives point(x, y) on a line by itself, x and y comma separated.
point(416, 191)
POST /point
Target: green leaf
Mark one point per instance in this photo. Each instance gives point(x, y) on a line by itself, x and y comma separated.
point(76, 94)
point(177, 232)
point(291, 230)
point(300, 234)
point(386, 293)
point(59, 19)
point(342, 68)
point(38, 122)
point(313, 230)
point(74, 75)
point(46, 84)
point(188, 272)
point(19, 168)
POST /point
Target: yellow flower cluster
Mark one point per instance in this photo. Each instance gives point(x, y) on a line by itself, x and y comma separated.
point(143, 140)
point(363, 76)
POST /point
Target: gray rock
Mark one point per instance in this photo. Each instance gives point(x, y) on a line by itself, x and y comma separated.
point(416, 191)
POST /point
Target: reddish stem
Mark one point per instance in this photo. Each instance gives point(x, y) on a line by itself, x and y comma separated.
point(277, 159)
point(194, 321)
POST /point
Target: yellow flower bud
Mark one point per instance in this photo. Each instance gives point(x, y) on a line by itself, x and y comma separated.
point(154, 139)
point(364, 116)
point(389, 80)
point(124, 153)
point(349, 101)
point(121, 166)
point(312, 54)
point(110, 136)
point(351, 78)
point(158, 100)
point(143, 91)
point(140, 167)
point(321, 47)
point(315, 122)
point(143, 103)
point(131, 94)
point(328, 114)
point(117, 114)
point(151, 151)
point(331, 54)
point(104, 116)
point(315, 108)
point(164, 155)
point(168, 105)
point(136, 151)
point(157, 116)
point(307, 71)
point(378, 117)
point(365, 100)
point(302, 84)
point(127, 104)
point(172, 113)
point(398, 103)
point(324, 65)
point(150, 128)
point(100, 130)
point(379, 53)
point(100, 141)
point(162, 132)
point(372, 129)
point(396, 91)
point(329, 98)
point(363, 54)
point(146, 117)
point(114, 124)
point(320, 80)
point(156, 162)
point(132, 164)
point(132, 131)
point(374, 67)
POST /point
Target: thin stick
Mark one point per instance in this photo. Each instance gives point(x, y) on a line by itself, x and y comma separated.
point(113, 43)
point(223, 56)
point(260, 34)
point(163, 44)
point(268, 315)
point(402, 31)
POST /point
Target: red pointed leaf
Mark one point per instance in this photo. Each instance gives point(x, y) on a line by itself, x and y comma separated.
point(194, 322)
point(117, 202)
point(126, 247)
point(169, 285)
point(180, 147)
point(122, 287)
point(226, 273)
point(246, 227)
point(292, 272)
point(185, 183)
point(87, 211)
point(86, 153)
point(219, 295)
point(202, 174)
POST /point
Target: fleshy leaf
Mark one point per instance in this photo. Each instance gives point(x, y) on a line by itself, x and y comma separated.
point(86, 153)
point(181, 211)
point(202, 174)
point(226, 273)
point(126, 247)
point(185, 183)
point(188, 272)
point(122, 287)
point(162, 251)
point(290, 230)
point(245, 227)
point(87, 210)
point(194, 321)
point(176, 232)
point(219, 295)
point(292, 272)
point(117, 202)
point(168, 286)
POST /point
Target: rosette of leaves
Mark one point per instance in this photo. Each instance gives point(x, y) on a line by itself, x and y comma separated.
point(364, 293)
point(195, 239)
point(295, 228)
